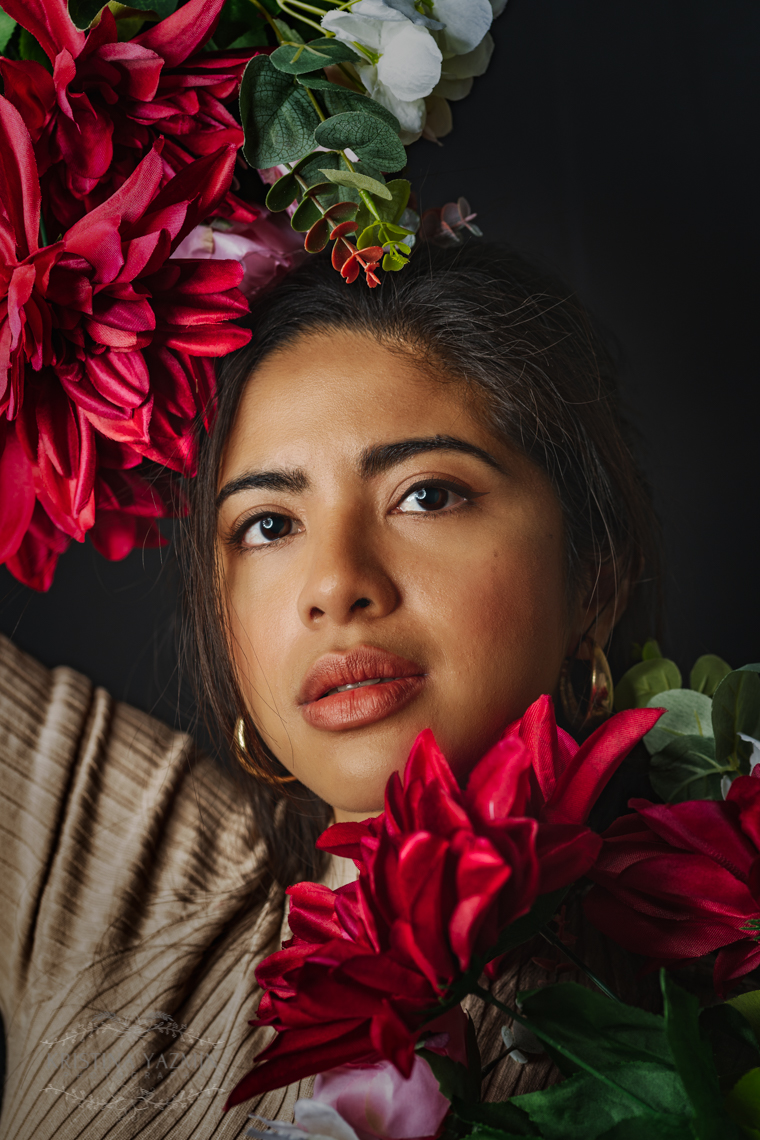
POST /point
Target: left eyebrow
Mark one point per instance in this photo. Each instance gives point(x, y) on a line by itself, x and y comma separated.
point(376, 460)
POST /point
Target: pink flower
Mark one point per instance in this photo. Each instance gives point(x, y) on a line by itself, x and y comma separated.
point(267, 248)
point(107, 103)
point(380, 1104)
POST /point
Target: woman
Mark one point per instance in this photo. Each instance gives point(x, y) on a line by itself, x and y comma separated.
point(415, 509)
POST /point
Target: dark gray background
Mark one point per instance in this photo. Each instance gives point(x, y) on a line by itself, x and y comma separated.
point(615, 143)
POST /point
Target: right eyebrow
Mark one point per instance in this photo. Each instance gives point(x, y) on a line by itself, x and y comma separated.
point(294, 481)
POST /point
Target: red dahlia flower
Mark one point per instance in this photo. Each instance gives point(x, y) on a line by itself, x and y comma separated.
point(676, 881)
point(441, 873)
point(104, 343)
point(107, 103)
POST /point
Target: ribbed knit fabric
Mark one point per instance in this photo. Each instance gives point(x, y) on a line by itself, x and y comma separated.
point(133, 911)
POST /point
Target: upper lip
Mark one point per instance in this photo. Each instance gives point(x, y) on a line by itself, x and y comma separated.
point(363, 663)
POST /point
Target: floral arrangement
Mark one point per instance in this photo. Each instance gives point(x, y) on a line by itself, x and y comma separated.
point(132, 232)
point(367, 992)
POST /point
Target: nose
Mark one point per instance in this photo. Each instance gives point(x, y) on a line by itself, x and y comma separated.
point(345, 577)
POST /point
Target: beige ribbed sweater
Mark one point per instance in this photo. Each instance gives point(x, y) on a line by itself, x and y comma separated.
point(133, 912)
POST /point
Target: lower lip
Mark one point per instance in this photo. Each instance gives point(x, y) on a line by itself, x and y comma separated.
point(357, 707)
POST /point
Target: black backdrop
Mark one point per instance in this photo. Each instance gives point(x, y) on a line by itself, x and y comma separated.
point(615, 143)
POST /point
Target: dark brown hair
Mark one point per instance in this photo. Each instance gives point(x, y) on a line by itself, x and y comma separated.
point(480, 315)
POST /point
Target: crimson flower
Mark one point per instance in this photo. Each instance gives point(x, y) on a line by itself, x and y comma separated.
point(676, 881)
point(442, 872)
point(106, 103)
point(105, 344)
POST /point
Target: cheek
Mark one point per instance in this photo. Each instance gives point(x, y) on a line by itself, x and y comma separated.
point(500, 622)
point(259, 617)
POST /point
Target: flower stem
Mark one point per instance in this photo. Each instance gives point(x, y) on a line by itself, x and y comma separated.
point(551, 937)
point(298, 16)
point(485, 996)
point(315, 104)
point(269, 19)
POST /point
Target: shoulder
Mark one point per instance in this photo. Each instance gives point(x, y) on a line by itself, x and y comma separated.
point(110, 820)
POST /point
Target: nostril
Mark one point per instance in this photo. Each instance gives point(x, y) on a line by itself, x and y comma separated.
point(361, 603)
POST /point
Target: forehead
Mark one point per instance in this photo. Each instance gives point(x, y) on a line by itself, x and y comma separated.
point(331, 395)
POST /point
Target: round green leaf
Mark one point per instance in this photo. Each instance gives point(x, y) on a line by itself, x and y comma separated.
point(650, 650)
point(306, 216)
point(284, 191)
point(687, 770)
point(689, 714)
point(708, 672)
point(367, 135)
point(736, 709)
point(338, 100)
point(645, 680)
point(360, 181)
point(277, 116)
point(299, 59)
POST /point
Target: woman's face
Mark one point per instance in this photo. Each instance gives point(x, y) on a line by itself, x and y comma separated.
point(373, 533)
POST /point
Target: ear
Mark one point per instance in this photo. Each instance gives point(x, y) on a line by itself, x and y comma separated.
point(601, 601)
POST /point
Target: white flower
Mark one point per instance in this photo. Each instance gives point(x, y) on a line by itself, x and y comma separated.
point(403, 61)
point(457, 72)
point(313, 1121)
point(754, 756)
point(466, 22)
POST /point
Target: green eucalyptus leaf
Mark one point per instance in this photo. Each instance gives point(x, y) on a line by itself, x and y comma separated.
point(707, 673)
point(389, 211)
point(694, 1062)
point(583, 1108)
point(686, 769)
point(688, 714)
point(359, 181)
point(600, 1031)
point(645, 680)
point(303, 58)
point(367, 135)
point(277, 116)
point(283, 193)
point(650, 650)
point(338, 100)
point(306, 216)
point(735, 711)
point(7, 28)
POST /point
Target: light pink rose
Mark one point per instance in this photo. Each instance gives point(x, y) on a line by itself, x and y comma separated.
point(267, 248)
point(378, 1102)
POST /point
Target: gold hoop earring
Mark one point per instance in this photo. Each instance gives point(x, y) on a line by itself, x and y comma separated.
point(241, 748)
point(595, 703)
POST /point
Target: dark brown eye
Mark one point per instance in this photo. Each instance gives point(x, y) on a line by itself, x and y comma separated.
point(429, 498)
point(266, 529)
